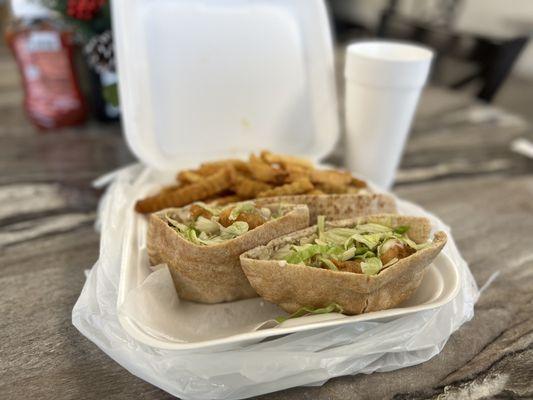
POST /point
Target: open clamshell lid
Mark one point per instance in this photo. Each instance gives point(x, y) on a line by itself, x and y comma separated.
point(203, 79)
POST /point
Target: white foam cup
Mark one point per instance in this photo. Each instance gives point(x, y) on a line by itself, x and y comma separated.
point(383, 84)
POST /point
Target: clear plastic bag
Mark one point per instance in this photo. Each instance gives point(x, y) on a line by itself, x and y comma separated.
point(306, 358)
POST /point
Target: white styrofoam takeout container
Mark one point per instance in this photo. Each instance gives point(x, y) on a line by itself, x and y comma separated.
point(440, 285)
point(206, 79)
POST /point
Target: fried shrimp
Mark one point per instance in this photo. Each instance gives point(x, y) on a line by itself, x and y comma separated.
point(394, 249)
point(252, 218)
point(353, 266)
point(199, 211)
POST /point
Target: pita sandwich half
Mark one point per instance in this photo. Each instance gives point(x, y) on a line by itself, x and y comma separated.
point(359, 265)
point(340, 206)
point(201, 245)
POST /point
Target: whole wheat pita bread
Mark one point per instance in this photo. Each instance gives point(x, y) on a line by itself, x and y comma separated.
point(294, 286)
point(340, 206)
point(212, 274)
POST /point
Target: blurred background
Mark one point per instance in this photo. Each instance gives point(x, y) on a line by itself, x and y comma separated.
point(482, 48)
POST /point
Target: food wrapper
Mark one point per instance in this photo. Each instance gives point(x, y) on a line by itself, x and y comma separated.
point(304, 358)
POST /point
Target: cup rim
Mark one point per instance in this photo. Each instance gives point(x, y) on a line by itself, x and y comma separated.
point(389, 51)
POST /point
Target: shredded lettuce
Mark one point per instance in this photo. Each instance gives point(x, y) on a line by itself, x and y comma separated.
point(333, 307)
point(371, 266)
point(207, 226)
point(373, 228)
point(337, 235)
point(180, 228)
point(365, 242)
point(328, 263)
point(350, 253)
point(203, 236)
point(236, 229)
point(364, 254)
point(190, 234)
point(412, 244)
point(207, 231)
point(302, 253)
point(371, 240)
point(400, 230)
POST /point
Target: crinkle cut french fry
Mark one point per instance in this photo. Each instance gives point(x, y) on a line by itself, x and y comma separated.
point(247, 188)
point(340, 178)
point(296, 168)
point(262, 176)
point(285, 160)
point(298, 187)
point(169, 188)
point(264, 172)
point(224, 193)
point(209, 168)
point(222, 201)
point(210, 186)
point(358, 183)
point(188, 176)
point(332, 188)
point(296, 176)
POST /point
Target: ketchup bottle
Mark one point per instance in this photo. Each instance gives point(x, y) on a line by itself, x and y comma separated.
point(44, 53)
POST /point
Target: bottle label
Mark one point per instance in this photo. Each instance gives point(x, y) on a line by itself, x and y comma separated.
point(43, 42)
point(49, 80)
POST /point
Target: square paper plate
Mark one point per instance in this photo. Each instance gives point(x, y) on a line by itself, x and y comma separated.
point(439, 286)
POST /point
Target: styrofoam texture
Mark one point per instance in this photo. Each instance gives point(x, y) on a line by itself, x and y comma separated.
point(374, 145)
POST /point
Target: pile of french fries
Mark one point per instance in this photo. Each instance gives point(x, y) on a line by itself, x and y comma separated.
point(267, 175)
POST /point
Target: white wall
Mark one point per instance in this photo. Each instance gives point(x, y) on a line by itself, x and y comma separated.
point(491, 17)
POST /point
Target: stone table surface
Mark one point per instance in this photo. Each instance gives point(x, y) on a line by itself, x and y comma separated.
point(458, 164)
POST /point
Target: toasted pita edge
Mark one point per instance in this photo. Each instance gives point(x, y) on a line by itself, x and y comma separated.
point(339, 206)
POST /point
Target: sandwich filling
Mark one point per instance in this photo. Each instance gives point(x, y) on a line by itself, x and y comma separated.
point(363, 249)
point(204, 224)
